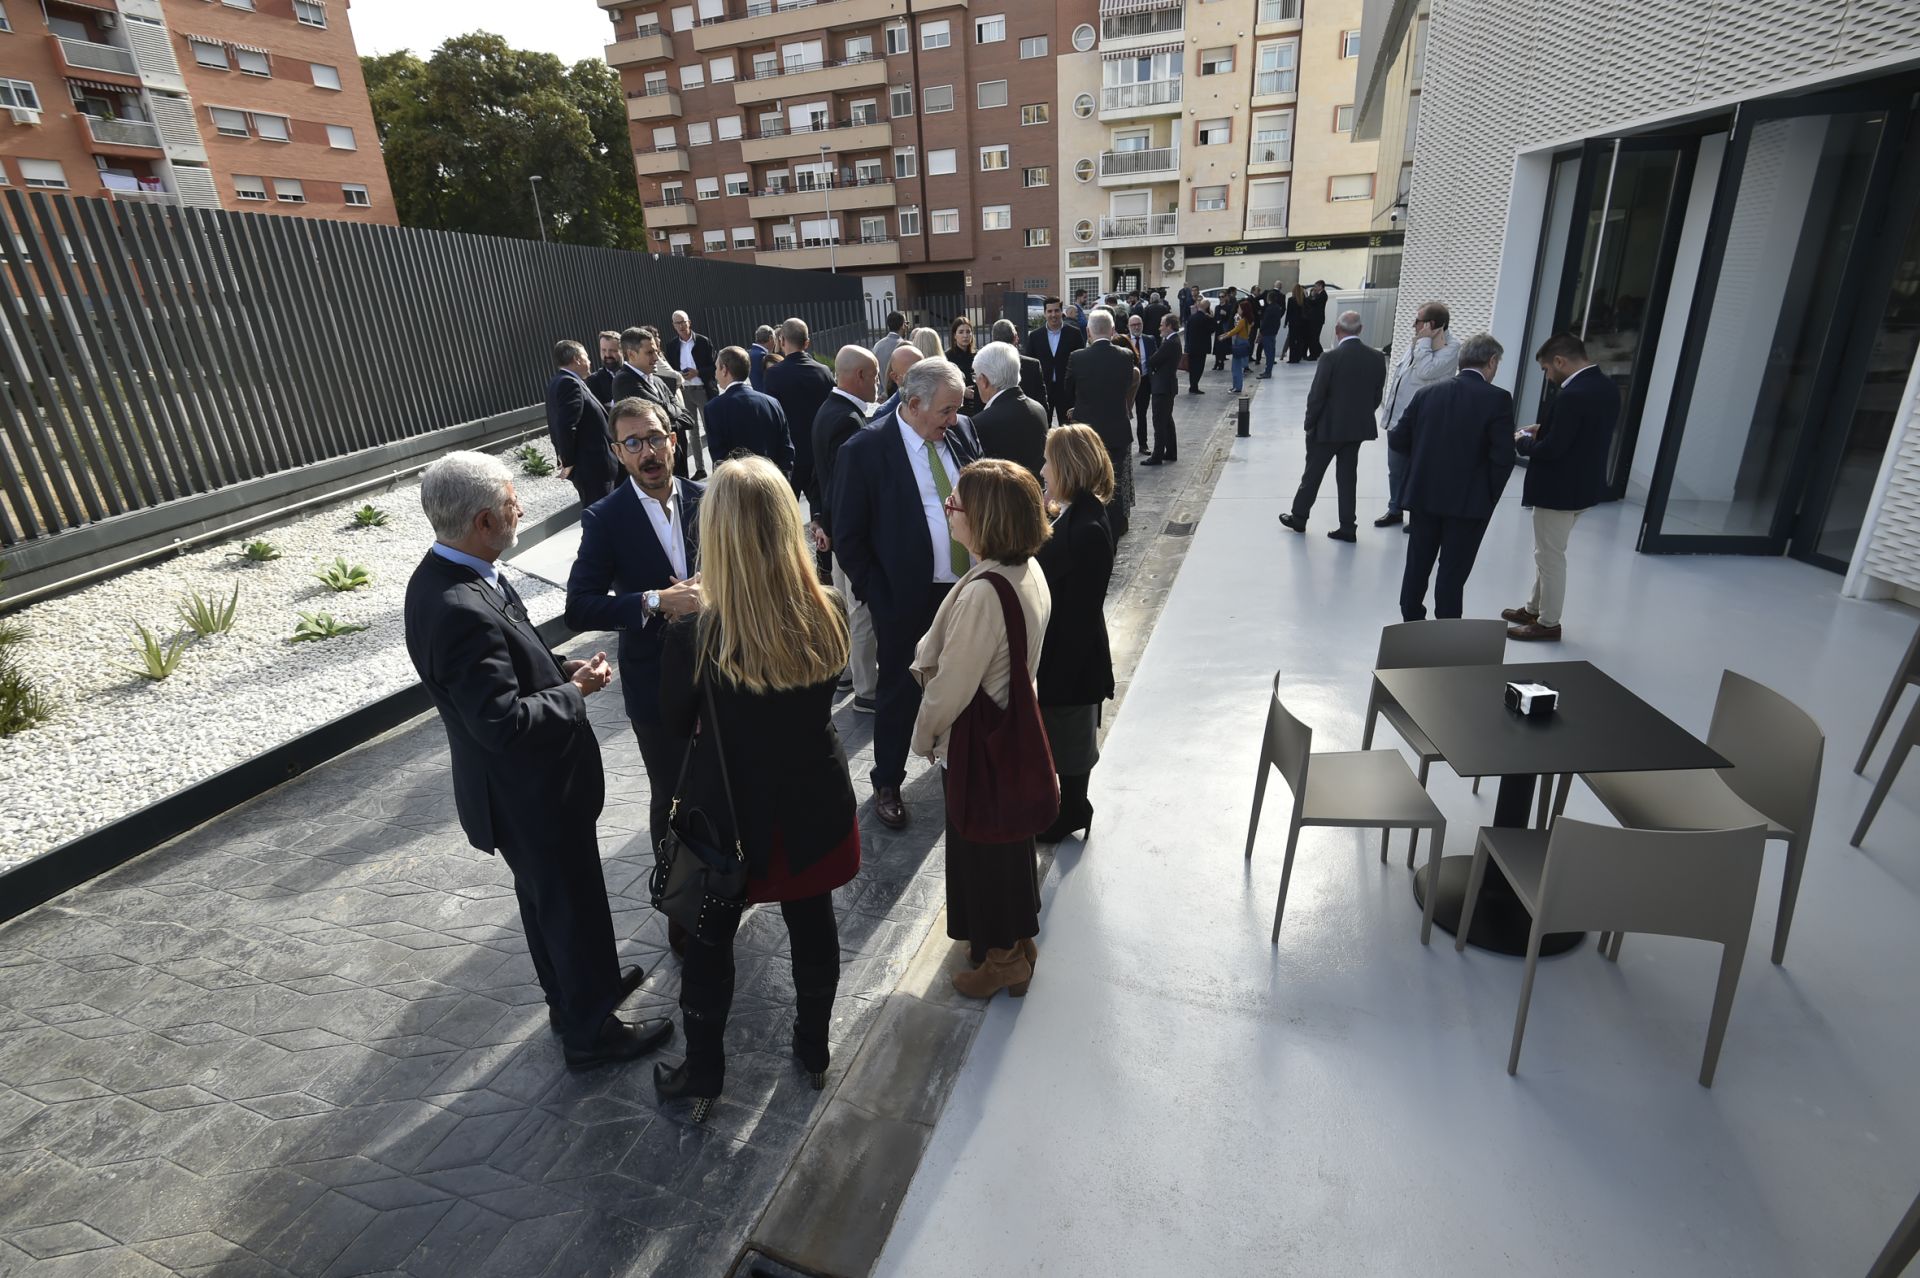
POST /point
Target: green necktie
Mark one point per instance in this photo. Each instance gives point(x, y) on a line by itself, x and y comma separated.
point(957, 556)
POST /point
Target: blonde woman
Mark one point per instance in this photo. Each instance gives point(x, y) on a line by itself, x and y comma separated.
point(993, 889)
point(1075, 675)
point(769, 646)
point(927, 342)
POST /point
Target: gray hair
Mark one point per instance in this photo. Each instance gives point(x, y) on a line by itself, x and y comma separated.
point(1348, 323)
point(999, 363)
point(1480, 350)
point(455, 489)
point(763, 334)
point(851, 359)
point(929, 377)
point(1100, 323)
point(1004, 331)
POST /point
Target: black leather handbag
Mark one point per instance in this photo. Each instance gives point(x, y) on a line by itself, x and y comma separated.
point(698, 880)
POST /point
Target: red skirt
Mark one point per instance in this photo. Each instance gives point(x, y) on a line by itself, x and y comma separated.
point(834, 869)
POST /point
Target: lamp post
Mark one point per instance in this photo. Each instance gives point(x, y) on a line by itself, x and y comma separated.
point(534, 181)
point(826, 198)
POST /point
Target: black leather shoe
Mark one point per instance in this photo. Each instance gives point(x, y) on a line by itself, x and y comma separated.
point(678, 1083)
point(1151, 461)
point(620, 1041)
point(1389, 519)
point(1287, 520)
point(630, 979)
point(1343, 534)
point(888, 807)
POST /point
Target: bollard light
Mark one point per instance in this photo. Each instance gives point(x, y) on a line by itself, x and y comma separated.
point(1246, 404)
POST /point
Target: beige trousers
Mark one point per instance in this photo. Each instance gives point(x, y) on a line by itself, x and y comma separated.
point(864, 663)
point(1551, 529)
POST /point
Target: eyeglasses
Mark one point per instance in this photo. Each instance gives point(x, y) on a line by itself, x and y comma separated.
point(645, 443)
point(953, 506)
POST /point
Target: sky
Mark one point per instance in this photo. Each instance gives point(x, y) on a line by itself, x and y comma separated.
point(573, 29)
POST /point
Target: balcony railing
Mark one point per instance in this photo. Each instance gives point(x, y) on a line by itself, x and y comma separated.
point(1145, 93)
point(1139, 226)
point(98, 57)
point(1122, 26)
point(1283, 81)
point(824, 126)
point(672, 203)
point(847, 184)
point(138, 190)
point(1271, 152)
point(124, 132)
point(1278, 11)
point(1267, 220)
point(801, 68)
point(1159, 159)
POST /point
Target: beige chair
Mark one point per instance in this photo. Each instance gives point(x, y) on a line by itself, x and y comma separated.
point(1364, 789)
point(1453, 642)
point(1902, 745)
point(1908, 673)
point(1583, 877)
point(1775, 748)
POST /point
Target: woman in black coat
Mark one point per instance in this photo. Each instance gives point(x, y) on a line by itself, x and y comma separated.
point(769, 646)
point(1076, 663)
point(1296, 325)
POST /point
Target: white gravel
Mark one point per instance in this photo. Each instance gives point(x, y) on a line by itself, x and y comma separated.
point(116, 742)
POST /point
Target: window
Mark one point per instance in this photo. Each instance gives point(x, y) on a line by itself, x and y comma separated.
point(1278, 10)
point(252, 62)
point(1033, 47)
point(1351, 186)
point(1083, 170)
point(730, 126)
point(1083, 105)
point(945, 160)
point(990, 93)
point(946, 221)
point(1215, 132)
point(663, 138)
point(680, 245)
point(1209, 199)
point(239, 4)
point(656, 83)
point(683, 17)
point(715, 241)
point(47, 174)
point(1273, 137)
point(867, 172)
point(909, 222)
point(1034, 113)
point(1039, 236)
point(232, 124)
point(272, 128)
point(1274, 64)
point(289, 191)
point(783, 236)
point(865, 111)
point(4, 26)
point(340, 138)
point(873, 230)
point(812, 177)
point(310, 12)
point(20, 94)
point(1083, 37)
point(1038, 175)
point(996, 217)
point(906, 163)
point(356, 195)
point(325, 76)
point(700, 133)
point(1216, 61)
point(1343, 119)
point(745, 237)
point(693, 77)
point(765, 64)
point(1267, 205)
point(897, 38)
point(1349, 44)
point(995, 157)
point(777, 181)
point(646, 24)
point(939, 97)
point(900, 100)
point(936, 35)
point(772, 124)
point(858, 49)
point(250, 188)
point(802, 55)
point(672, 193)
point(739, 184)
point(720, 70)
point(820, 231)
point(1083, 232)
point(706, 188)
point(209, 55)
point(989, 30)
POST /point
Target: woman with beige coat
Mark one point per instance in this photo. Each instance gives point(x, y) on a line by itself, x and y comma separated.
point(993, 889)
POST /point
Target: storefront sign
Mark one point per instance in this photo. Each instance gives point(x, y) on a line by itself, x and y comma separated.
point(1305, 244)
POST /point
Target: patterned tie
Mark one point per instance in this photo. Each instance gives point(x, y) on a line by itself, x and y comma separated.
point(957, 557)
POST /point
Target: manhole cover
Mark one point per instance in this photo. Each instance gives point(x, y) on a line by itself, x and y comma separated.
point(1180, 528)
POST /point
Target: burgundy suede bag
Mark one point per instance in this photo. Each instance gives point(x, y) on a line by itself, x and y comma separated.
point(1001, 787)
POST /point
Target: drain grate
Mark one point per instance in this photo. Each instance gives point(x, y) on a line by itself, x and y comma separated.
point(1180, 528)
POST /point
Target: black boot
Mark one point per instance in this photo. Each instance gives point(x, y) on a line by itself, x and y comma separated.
point(814, 985)
point(706, 996)
point(1076, 813)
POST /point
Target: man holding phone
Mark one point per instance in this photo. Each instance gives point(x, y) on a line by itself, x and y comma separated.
point(1430, 358)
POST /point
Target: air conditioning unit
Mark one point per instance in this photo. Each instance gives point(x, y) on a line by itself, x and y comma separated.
point(24, 115)
point(1173, 259)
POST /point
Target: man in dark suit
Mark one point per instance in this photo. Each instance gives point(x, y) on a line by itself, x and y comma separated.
point(801, 384)
point(1341, 405)
point(636, 569)
point(1156, 310)
point(1567, 455)
point(601, 381)
point(757, 357)
point(1164, 372)
point(636, 378)
point(1315, 317)
point(1458, 436)
point(1186, 304)
point(741, 419)
point(526, 765)
point(1100, 388)
point(1009, 425)
point(1198, 335)
point(1143, 346)
point(856, 378)
point(691, 354)
point(890, 532)
point(1273, 315)
point(1053, 344)
point(577, 425)
point(1033, 382)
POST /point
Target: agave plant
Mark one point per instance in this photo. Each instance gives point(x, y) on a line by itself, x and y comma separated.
point(343, 577)
point(206, 615)
point(370, 516)
point(21, 705)
point(258, 551)
point(315, 626)
point(157, 661)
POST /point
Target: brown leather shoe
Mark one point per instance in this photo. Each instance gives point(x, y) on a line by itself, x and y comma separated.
point(1006, 969)
point(1535, 631)
point(1521, 616)
point(887, 806)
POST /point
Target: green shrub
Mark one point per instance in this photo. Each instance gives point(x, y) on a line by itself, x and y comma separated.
point(533, 461)
point(370, 516)
point(206, 615)
point(315, 626)
point(21, 705)
point(341, 577)
point(258, 551)
point(157, 661)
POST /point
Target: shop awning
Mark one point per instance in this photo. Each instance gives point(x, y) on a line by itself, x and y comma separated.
point(1128, 55)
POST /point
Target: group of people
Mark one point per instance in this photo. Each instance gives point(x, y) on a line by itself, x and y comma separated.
point(1452, 443)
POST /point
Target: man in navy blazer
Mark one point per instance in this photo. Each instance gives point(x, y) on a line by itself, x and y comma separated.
point(1053, 344)
point(801, 384)
point(635, 571)
point(1567, 455)
point(890, 535)
point(741, 419)
point(1459, 437)
point(577, 425)
point(526, 765)
point(757, 357)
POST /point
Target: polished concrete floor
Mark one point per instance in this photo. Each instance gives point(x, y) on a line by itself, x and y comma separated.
point(1178, 1096)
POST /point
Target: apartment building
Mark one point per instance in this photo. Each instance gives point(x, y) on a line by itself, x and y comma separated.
point(1393, 62)
point(240, 104)
point(911, 142)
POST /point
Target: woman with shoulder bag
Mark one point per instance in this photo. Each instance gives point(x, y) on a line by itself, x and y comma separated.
point(756, 672)
point(1076, 662)
point(979, 716)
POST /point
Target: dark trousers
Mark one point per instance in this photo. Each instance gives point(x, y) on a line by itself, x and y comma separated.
point(1345, 460)
point(1313, 345)
point(1296, 344)
point(1056, 408)
point(662, 753)
point(590, 489)
point(1142, 401)
point(563, 908)
point(1454, 542)
point(1196, 365)
point(1267, 341)
point(706, 988)
point(897, 696)
point(1164, 445)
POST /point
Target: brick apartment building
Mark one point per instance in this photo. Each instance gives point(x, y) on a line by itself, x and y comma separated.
point(240, 104)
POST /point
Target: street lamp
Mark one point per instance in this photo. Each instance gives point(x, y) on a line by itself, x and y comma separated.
point(534, 181)
point(826, 198)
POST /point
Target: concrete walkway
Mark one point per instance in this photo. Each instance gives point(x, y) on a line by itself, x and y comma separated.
point(1176, 1096)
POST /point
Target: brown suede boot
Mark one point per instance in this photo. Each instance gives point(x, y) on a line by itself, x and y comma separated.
point(1032, 951)
point(1006, 969)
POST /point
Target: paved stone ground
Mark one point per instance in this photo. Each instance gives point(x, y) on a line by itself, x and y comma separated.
point(306, 1038)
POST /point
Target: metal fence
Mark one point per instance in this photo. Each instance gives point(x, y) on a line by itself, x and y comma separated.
point(151, 354)
point(939, 311)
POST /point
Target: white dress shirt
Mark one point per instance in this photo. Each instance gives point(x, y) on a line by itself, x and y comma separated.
point(686, 361)
point(666, 525)
point(1575, 373)
point(489, 573)
point(855, 400)
point(1053, 339)
point(937, 531)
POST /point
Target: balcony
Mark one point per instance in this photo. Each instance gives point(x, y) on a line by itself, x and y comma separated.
point(809, 78)
point(814, 202)
point(1147, 97)
point(760, 21)
point(671, 159)
point(1129, 168)
point(662, 214)
point(137, 190)
point(85, 55)
point(1274, 17)
point(1275, 88)
point(660, 104)
point(1266, 222)
point(1270, 157)
point(1125, 21)
point(1128, 230)
point(836, 138)
point(119, 133)
point(857, 253)
point(639, 51)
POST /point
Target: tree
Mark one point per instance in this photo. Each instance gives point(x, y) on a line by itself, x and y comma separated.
point(464, 130)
